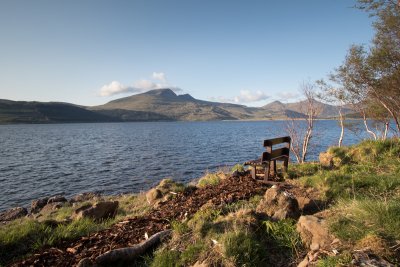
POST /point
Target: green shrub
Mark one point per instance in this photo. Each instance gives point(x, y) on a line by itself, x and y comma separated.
point(209, 179)
point(238, 168)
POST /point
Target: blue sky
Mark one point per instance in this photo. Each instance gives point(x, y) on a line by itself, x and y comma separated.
point(251, 52)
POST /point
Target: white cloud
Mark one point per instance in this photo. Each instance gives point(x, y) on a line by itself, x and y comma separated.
point(116, 87)
point(247, 96)
point(147, 85)
point(157, 81)
point(288, 95)
point(220, 99)
point(160, 76)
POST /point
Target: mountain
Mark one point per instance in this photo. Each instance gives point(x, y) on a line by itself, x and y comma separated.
point(39, 112)
point(154, 105)
point(300, 108)
point(178, 107)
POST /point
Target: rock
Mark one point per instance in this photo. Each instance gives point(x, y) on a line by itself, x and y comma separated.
point(363, 258)
point(279, 204)
point(85, 197)
point(56, 199)
point(153, 195)
point(314, 233)
point(99, 211)
point(200, 264)
point(38, 204)
point(326, 159)
point(51, 207)
point(86, 262)
point(13, 214)
point(304, 263)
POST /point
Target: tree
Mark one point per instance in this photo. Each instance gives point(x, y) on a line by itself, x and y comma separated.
point(337, 96)
point(301, 131)
point(371, 77)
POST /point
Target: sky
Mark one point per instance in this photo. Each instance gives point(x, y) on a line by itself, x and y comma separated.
point(249, 52)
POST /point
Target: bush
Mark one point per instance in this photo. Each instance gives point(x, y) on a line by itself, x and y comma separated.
point(238, 168)
point(209, 179)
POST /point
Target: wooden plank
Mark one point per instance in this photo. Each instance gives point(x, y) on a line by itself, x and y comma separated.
point(275, 141)
point(275, 154)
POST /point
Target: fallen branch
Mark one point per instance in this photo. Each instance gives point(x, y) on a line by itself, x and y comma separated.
point(130, 253)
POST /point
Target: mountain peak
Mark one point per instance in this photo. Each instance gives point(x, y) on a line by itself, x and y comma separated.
point(161, 92)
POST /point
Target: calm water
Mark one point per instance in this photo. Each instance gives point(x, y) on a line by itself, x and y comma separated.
point(43, 160)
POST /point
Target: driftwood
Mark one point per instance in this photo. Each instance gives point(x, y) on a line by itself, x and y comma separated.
point(130, 253)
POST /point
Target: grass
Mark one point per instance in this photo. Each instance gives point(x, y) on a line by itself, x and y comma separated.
point(25, 235)
point(210, 179)
point(229, 235)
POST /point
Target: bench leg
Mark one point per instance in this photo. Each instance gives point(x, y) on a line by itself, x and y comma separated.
point(254, 172)
point(285, 165)
point(266, 171)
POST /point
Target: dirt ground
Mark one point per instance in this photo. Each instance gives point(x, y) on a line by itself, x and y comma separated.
point(131, 231)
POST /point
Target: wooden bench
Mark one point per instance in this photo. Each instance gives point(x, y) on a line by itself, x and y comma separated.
point(270, 156)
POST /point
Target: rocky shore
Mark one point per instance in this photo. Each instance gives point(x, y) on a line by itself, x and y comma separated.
point(226, 219)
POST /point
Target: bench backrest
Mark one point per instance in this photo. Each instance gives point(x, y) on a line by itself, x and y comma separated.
point(279, 153)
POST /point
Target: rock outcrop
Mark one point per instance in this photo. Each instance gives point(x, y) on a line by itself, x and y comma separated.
point(279, 204)
point(13, 214)
point(98, 211)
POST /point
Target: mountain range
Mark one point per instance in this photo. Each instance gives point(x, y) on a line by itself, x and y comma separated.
point(154, 105)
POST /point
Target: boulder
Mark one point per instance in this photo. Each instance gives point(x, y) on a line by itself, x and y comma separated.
point(98, 211)
point(57, 198)
point(13, 214)
point(38, 204)
point(326, 159)
point(279, 204)
point(51, 207)
point(153, 195)
point(314, 233)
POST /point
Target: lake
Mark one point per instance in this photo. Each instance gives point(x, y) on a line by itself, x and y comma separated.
point(48, 159)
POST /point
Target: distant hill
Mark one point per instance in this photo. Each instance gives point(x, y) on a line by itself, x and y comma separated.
point(154, 105)
point(40, 112)
point(323, 110)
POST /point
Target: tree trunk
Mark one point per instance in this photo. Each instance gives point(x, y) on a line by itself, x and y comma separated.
point(341, 119)
point(133, 252)
point(366, 125)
